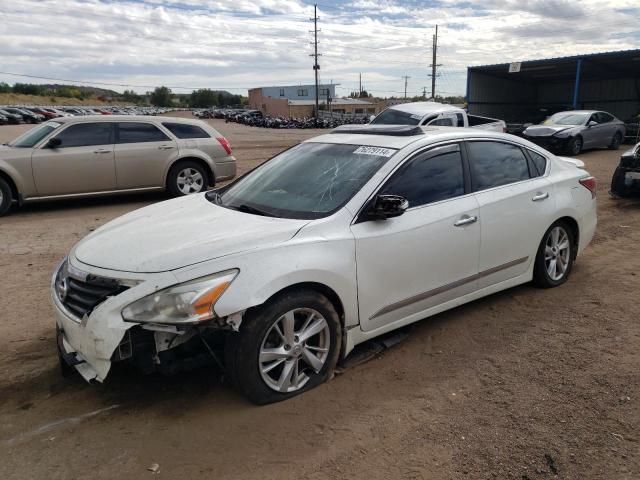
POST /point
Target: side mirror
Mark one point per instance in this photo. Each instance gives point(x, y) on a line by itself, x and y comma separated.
point(54, 142)
point(371, 117)
point(387, 206)
point(592, 123)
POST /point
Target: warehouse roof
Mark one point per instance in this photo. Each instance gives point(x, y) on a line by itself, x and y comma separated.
point(625, 63)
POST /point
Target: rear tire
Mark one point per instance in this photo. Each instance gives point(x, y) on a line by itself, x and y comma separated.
point(263, 358)
point(574, 146)
point(187, 177)
point(6, 196)
point(555, 256)
point(615, 142)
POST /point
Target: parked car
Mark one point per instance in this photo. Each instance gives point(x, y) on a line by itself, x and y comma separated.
point(435, 114)
point(574, 130)
point(80, 156)
point(3, 120)
point(27, 116)
point(12, 118)
point(626, 178)
point(46, 113)
point(333, 242)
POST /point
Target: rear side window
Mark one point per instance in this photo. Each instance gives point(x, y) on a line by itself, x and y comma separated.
point(494, 164)
point(183, 130)
point(138, 132)
point(86, 134)
point(430, 177)
point(539, 161)
point(441, 122)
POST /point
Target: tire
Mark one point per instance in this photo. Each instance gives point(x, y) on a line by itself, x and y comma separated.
point(259, 332)
point(574, 146)
point(180, 176)
point(6, 197)
point(541, 271)
point(615, 142)
point(618, 186)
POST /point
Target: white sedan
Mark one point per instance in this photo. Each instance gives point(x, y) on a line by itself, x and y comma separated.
point(277, 276)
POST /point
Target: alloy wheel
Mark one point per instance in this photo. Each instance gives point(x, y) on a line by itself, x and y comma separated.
point(294, 347)
point(189, 181)
point(557, 253)
point(577, 146)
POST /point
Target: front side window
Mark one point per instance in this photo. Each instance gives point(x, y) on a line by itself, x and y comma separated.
point(396, 117)
point(184, 130)
point(32, 137)
point(308, 181)
point(85, 135)
point(605, 117)
point(138, 132)
point(431, 177)
point(494, 164)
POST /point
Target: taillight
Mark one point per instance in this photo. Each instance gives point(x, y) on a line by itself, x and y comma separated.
point(590, 184)
point(225, 144)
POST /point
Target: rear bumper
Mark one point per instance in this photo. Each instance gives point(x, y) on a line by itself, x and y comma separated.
point(225, 168)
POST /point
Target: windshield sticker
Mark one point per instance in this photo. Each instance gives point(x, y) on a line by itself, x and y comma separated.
point(377, 151)
point(416, 116)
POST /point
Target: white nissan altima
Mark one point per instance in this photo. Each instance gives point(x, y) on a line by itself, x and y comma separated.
point(277, 276)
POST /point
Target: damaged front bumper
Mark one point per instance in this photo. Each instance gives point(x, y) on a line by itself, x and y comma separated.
point(91, 338)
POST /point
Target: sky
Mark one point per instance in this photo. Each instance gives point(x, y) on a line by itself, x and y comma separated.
point(241, 44)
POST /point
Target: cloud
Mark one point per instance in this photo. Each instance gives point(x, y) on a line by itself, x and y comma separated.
point(241, 44)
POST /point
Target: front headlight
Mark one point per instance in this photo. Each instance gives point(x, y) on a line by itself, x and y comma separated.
point(188, 302)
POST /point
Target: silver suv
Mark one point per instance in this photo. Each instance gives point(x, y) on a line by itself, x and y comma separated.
point(95, 155)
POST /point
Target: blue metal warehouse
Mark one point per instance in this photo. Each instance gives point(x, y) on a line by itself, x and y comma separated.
point(529, 91)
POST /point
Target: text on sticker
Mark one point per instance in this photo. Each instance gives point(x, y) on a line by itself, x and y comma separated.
point(377, 151)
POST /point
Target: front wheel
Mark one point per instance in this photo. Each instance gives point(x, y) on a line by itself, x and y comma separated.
point(6, 197)
point(555, 255)
point(574, 146)
point(185, 178)
point(285, 347)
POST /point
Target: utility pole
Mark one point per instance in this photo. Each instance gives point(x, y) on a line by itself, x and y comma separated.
point(360, 89)
point(315, 54)
point(406, 79)
point(424, 93)
point(434, 64)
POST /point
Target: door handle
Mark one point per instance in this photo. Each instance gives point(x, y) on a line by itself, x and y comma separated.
point(165, 147)
point(465, 220)
point(539, 196)
point(102, 150)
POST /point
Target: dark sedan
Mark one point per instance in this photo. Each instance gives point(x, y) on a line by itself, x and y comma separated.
point(626, 178)
point(13, 118)
point(571, 132)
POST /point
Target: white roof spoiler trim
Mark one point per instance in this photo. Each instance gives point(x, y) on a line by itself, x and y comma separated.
point(574, 161)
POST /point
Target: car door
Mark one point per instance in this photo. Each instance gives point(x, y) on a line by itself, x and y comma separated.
point(516, 207)
point(427, 256)
point(594, 135)
point(142, 154)
point(609, 128)
point(82, 163)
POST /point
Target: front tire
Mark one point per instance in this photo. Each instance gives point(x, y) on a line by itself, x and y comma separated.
point(287, 346)
point(185, 178)
point(6, 197)
point(574, 146)
point(555, 256)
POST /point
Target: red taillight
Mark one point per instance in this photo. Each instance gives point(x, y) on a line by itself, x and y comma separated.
point(225, 144)
point(590, 184)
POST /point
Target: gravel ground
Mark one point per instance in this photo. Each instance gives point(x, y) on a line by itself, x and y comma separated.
point(524, 384)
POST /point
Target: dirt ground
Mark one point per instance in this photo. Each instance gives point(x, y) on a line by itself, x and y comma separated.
point(525, 384)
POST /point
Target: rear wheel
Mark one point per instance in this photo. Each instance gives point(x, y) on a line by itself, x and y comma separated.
point(284, 348)
point(186, 178)
point(555, 255)
point(615, 141)
point(574, 146)
point(6, 196)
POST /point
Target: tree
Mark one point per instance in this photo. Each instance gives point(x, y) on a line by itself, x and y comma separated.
point(131, 96)
point(5, 87)
point(203, 98)
point(161, 97)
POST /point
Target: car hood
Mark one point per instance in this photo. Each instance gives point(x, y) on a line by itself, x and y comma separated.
point(177, 233)
point(546, 130)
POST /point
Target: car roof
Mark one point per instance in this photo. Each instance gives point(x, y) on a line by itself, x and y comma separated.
point(424, 107)
point(125, 118)
point(428, 135)
point(579, 111)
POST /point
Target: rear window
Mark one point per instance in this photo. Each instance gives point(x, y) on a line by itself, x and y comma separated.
point(184, 130)
point(396, 117)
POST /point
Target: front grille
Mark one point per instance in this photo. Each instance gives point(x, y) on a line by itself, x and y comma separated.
point(80, 296)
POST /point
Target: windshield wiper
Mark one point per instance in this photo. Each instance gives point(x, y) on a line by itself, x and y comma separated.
point(248, 209)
